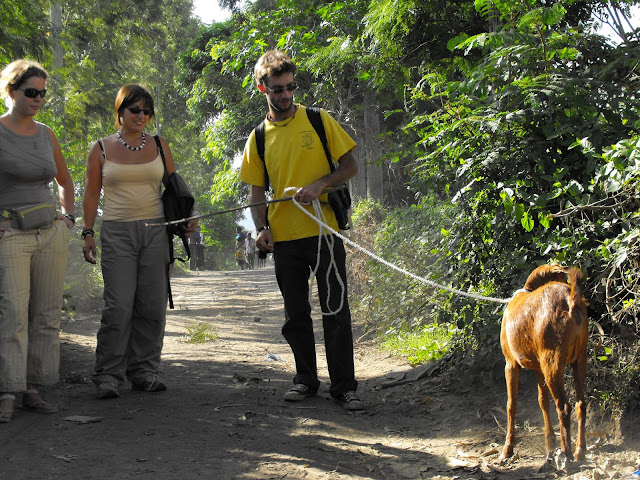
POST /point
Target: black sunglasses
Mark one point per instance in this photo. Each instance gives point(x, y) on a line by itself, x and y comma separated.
point(136, 110)
point(33, 92)
point(292, 87)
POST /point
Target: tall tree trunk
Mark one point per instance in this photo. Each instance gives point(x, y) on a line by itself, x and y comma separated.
point(55, 15)
point(358, 184)
point(374, 173)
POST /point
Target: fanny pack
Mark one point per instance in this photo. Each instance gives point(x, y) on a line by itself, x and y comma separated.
point(41, 215)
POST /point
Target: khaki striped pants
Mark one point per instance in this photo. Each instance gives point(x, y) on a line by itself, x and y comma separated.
point(32, 266)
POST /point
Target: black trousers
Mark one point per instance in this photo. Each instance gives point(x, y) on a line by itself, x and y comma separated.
point(294, 262)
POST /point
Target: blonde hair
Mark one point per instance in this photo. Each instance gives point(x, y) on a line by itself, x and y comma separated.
point(272, 64)
point(18, 72)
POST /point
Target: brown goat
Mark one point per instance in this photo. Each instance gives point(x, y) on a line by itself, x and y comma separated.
point(545, 328)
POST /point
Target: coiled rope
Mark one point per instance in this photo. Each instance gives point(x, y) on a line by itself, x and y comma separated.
point(326, 230)
point(324, 234)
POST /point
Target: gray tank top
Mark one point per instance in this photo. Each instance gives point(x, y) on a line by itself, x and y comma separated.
point(27, 166)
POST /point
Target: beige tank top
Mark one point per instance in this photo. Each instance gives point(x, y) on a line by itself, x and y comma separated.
point(132, 192)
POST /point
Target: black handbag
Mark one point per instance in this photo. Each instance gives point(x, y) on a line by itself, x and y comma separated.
point(340, 202)
point(178, 204)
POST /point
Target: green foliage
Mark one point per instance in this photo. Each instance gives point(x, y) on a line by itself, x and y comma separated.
point(24, 30)
point(420, 346)
point(535, 147)
point(202, 332)
point(417, 239)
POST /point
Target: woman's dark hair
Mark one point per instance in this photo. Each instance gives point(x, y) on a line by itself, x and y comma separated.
point(128, 95)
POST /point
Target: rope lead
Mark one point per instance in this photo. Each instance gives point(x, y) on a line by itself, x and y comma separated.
point(324, 228)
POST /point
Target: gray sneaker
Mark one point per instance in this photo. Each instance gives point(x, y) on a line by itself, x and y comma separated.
point(298, 392)
point(350, 401)
point(108, 390)
point(152, 383)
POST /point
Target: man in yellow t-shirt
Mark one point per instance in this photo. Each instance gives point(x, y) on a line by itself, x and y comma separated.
point(294, 157)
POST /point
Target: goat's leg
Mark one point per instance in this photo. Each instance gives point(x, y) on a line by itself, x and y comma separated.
point(579, 374)
point(556, 387)
point(543, 401)
point(511, 374)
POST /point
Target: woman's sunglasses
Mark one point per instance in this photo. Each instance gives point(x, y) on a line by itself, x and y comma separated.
point(33, 92)
point(136, 110)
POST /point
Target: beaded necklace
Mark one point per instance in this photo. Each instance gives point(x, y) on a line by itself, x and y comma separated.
point(129, 146)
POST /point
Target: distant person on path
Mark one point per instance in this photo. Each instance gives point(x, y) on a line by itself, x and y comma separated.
point(241, 248)
point(295, 157)
point(262, 258)
point(196, 262)
point(128, 167)
point(33, 241)
point(250, 246)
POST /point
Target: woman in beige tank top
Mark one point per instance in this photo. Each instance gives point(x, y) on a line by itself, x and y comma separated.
point(128, 168)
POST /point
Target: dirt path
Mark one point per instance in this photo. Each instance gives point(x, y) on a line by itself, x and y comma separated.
point(223, 416)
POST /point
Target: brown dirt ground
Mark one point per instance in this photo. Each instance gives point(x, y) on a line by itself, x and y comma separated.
point(223, 416)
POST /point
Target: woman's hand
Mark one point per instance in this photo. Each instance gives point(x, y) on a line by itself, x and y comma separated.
point(89, 249)
point(66, 221)
point(190, 227)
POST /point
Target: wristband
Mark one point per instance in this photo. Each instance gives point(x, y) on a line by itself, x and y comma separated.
point(88, 232)
point(264, 227)
point(70, 217)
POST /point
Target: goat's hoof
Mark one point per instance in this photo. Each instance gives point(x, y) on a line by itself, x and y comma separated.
point(505, 456)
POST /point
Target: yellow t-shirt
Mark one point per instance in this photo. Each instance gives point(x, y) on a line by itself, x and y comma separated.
point(295, 158)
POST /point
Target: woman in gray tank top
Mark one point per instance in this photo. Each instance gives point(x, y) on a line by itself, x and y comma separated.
point(33, 241)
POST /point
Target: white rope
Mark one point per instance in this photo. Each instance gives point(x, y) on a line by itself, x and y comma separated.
point(324, 228)
point(325, 234)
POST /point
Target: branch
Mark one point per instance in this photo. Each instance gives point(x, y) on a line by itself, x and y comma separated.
point(590, 207)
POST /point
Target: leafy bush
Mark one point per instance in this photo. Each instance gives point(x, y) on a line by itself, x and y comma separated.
point(202, 332)
point(421, 345)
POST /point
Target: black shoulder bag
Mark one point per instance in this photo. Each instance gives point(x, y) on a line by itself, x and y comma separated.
point(178, 204)
point(339, 200)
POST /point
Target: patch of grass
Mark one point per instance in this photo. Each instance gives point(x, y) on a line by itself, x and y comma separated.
point(201, 333)
point(421, 345)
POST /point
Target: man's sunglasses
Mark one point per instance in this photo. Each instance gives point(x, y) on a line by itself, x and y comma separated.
point(292, 87)
point(136, 110)
point(33, 92)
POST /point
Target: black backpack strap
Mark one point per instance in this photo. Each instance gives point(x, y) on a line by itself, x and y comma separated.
point(316, 121)
point(260, 142)
point(259, 134)
point(171, 257)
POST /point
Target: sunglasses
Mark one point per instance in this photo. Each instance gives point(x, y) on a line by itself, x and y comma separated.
point(292, 87)
point(33, 92)
point(136, 110)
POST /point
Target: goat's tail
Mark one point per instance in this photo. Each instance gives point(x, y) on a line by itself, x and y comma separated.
point(576, 299)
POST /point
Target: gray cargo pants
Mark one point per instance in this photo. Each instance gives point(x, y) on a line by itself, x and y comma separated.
point(134, 268)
